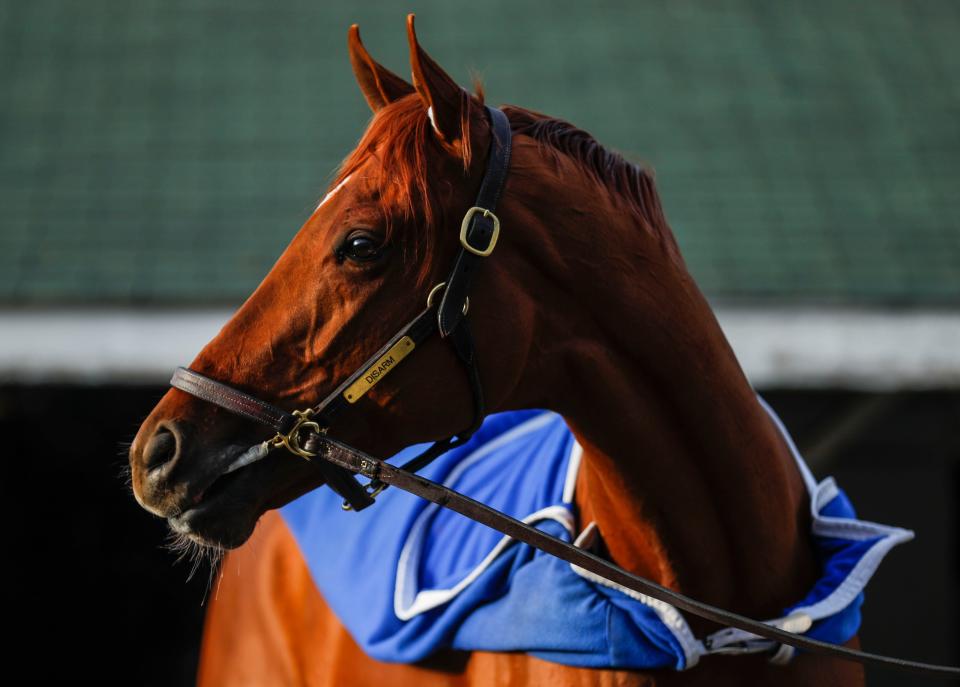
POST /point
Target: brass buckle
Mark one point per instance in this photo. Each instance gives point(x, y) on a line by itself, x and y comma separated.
point(291, 440)
point(436, 289)
point(465, 224)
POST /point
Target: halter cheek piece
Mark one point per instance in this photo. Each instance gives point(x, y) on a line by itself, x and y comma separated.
point(304, 432)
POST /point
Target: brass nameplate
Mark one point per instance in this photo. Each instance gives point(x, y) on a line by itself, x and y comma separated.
point(379, 369)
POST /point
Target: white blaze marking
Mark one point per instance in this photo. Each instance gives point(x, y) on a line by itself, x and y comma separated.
point(328, 196)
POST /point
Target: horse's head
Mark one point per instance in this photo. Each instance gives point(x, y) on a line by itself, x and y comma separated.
point(360, 267)
point(363, 265)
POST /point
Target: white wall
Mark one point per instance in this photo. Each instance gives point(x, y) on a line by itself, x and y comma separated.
point(776, 347)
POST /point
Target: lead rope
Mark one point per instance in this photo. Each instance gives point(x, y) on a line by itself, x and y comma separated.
point(351, 459)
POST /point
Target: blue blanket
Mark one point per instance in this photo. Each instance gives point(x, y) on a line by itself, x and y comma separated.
point(407, 577)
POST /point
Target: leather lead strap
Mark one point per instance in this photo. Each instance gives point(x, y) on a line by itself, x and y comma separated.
point(357, 461)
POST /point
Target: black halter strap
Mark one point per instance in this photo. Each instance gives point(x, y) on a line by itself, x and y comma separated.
point(479, 231)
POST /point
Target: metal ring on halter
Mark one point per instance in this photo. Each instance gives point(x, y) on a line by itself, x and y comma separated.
point(291, 440)
point(373, 494)
point(435, 289)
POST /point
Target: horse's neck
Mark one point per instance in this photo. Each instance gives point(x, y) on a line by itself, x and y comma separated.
point(686, 476)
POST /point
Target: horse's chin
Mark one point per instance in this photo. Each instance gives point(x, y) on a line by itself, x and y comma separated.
point(226, 515)
point(218, 535)
point(227, 511)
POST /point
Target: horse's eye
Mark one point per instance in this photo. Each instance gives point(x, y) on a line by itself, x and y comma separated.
point(360, 246)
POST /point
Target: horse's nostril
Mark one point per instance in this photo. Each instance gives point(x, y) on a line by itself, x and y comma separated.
point(161, 449)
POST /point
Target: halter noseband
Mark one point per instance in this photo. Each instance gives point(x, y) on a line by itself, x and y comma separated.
point(479, 231)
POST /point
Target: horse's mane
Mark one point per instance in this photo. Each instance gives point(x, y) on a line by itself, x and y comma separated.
point(625, 180)
point(400, 133)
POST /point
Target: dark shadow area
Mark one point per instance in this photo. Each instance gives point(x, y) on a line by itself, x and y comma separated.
point(92, 583)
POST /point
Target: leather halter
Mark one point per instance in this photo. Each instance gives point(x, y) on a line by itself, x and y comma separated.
point(304, 432)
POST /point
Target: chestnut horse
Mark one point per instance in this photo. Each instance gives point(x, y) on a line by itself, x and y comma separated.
point(586, 308)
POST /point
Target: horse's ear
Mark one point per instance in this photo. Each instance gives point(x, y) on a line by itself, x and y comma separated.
point(442, 95)
point(379, 85)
